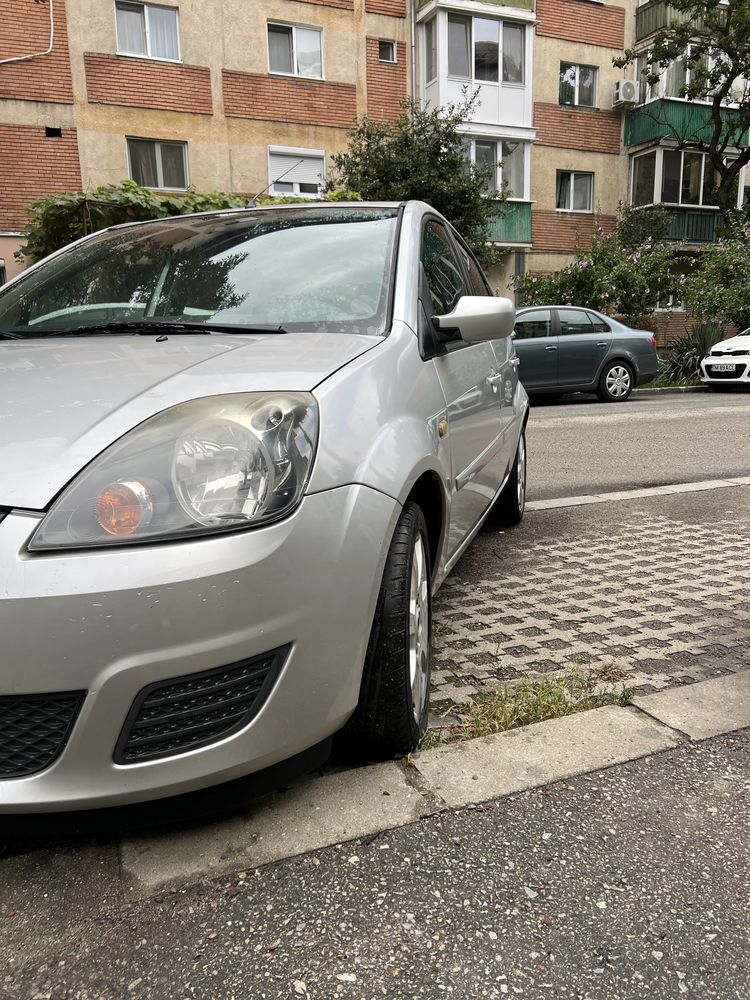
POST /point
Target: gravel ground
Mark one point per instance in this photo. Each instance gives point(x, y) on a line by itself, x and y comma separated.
point(627, 883)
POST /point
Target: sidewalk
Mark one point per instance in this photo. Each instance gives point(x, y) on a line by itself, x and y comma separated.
point(621, 883)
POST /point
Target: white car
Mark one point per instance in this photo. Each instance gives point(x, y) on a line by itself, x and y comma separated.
point(728, 363)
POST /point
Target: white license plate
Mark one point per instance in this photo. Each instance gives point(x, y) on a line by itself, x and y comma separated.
point(723, 368)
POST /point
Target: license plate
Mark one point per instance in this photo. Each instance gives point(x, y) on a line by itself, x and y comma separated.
point(722, 368)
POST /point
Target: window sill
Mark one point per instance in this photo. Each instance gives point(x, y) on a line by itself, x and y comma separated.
point(160, 59)
point(579, 107)
point(293, 76)
point(575, 211)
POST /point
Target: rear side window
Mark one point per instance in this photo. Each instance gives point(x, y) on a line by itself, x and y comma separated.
point(537, 323)
point(598, 324)
point(574, 321)
point(442, 269)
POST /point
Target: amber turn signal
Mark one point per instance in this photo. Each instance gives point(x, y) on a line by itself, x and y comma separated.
point(121, 507)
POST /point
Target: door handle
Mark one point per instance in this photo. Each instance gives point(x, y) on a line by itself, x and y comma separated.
point(515, 362)
point(550, 348)
point(494, 380)
point(602, 343)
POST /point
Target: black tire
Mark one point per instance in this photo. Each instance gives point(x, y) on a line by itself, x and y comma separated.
point(385, 722)
point(622, 377)
point(511, 503)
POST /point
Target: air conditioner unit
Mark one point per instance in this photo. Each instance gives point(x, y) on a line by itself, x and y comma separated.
point(626, 94)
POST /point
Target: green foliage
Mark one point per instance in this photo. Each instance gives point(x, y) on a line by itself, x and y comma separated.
point(718, 290)
point(681, 366)
point(59, 219)
point(636, 226)
point(295, 199)
point(617, 279)
point(422, 155)
point(712, 40)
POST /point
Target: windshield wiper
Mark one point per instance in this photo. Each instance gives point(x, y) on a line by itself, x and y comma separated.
point(143, 328)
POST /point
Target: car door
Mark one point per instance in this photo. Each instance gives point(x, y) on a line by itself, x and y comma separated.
point(535, 339)
point(584, 342)
point(470, 381)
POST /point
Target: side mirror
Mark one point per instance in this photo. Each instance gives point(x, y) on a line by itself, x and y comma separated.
point(480, 317)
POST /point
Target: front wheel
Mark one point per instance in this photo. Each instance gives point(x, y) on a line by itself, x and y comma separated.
point(391, 716)
point(616, 382)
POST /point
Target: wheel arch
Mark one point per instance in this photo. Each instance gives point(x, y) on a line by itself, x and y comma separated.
point(427, 492)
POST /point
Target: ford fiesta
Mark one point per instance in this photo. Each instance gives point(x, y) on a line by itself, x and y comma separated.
point(238, 453)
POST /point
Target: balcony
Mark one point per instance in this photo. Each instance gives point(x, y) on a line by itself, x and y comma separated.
point(693, 225)
point(657, 14)
point(670, 119)
point(512, 223)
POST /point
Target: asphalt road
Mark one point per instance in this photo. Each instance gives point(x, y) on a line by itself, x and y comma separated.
point(580, 445)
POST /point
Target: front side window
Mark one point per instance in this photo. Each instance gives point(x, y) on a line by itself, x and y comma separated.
point(478, 47)
point(574, 191)
point(296, 173)
point(577, 85)
point(311, 268)
point(295, 51)
point(442, 269)
point(532, 324)
point(145, 29)
point(158, 164)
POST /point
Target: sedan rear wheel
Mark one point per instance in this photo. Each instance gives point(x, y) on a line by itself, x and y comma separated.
point(391, 716)
point(616, 382)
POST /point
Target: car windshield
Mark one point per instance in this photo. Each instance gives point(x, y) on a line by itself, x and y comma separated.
point(310, 269)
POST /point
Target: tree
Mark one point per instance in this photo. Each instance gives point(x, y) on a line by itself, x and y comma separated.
point(718, 291)
point(422, 155)
point(613, 276)
point(709, 42)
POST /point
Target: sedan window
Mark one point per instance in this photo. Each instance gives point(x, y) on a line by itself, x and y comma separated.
point(537, 323)
point(598, 324)
point(575, 321)
point(442, 270)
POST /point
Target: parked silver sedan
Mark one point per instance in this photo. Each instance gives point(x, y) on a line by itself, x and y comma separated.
point(239, 453)
point(567, 349)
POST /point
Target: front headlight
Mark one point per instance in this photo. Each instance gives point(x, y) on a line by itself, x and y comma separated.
point(221, 463)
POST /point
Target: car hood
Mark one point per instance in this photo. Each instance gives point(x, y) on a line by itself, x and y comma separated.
point(733, 344)
point(64, 400)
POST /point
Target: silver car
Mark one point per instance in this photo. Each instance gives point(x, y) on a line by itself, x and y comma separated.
point(239, 452)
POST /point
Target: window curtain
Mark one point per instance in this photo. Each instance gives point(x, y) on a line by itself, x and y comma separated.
point(162, 33)
point(280, 49)
point(514, 36)
point(562, 198)
point(143, 162)
point(459, 34)
point(513, 164)
point(309, 59)
point(131, 29)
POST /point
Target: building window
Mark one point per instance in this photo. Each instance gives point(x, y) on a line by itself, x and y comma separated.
point(644, 175)
point(670, 303)
point(144, 29)
point(386, 51)
point(295, 51)
point(430, 50)
point(296, 172)
point(507, 158)
point(575, 191)
point(157, 164)
point(479, 46)
point(673, 177)
point(577, 85)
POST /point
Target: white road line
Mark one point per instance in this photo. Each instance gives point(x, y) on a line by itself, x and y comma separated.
point(652, 491)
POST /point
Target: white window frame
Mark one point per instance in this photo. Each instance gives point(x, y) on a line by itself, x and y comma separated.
point(318, 154)
point(499, 140)
point(658, 91)
point(576, 103)
point(392, 43)
point(159, 167)
point(670, 306)
point(433, 21)
point(147, 54)
point(659, 176)
point(571, 210)
point(501, 49)
point(294, 27)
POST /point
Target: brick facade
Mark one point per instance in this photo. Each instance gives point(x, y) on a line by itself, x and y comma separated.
point(564, 231)
point(288, 99)
point(25, 28)
point(33, 166)
point(572, 128)
point(147, 83)
point(386, 83)
point(392, 8)
point(582, 21)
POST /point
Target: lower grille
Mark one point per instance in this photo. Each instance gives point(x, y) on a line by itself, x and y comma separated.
point(184, 713)
point(34, 730)
point(738, 372)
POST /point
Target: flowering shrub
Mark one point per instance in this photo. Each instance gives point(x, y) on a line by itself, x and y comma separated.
point(615, 279)
point(718, 290)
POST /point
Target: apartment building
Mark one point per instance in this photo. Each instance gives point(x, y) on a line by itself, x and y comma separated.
point(219, 94)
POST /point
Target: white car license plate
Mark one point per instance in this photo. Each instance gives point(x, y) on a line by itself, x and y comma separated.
point(723, 368)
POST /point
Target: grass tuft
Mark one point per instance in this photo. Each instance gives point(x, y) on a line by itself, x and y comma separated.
point(521, 704)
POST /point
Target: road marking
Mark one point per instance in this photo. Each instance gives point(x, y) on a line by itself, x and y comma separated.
point(651, 491)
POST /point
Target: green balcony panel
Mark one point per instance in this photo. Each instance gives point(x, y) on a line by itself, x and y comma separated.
point(668, 119)
point(512, 224)
point(694, 225)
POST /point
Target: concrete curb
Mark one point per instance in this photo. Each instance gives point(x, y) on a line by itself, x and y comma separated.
point(648, 491)
point(658, 391)
point(364, 802)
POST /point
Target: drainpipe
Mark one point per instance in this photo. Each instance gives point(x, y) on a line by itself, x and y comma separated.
point(35, 55)
point(413, 31)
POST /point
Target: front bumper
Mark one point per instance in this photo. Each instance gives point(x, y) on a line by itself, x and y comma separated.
point(111, 622)
point(737, 374)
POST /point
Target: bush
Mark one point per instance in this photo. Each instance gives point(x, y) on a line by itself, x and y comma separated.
point(62, 218)
point(718, 290)
point(681, 366)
